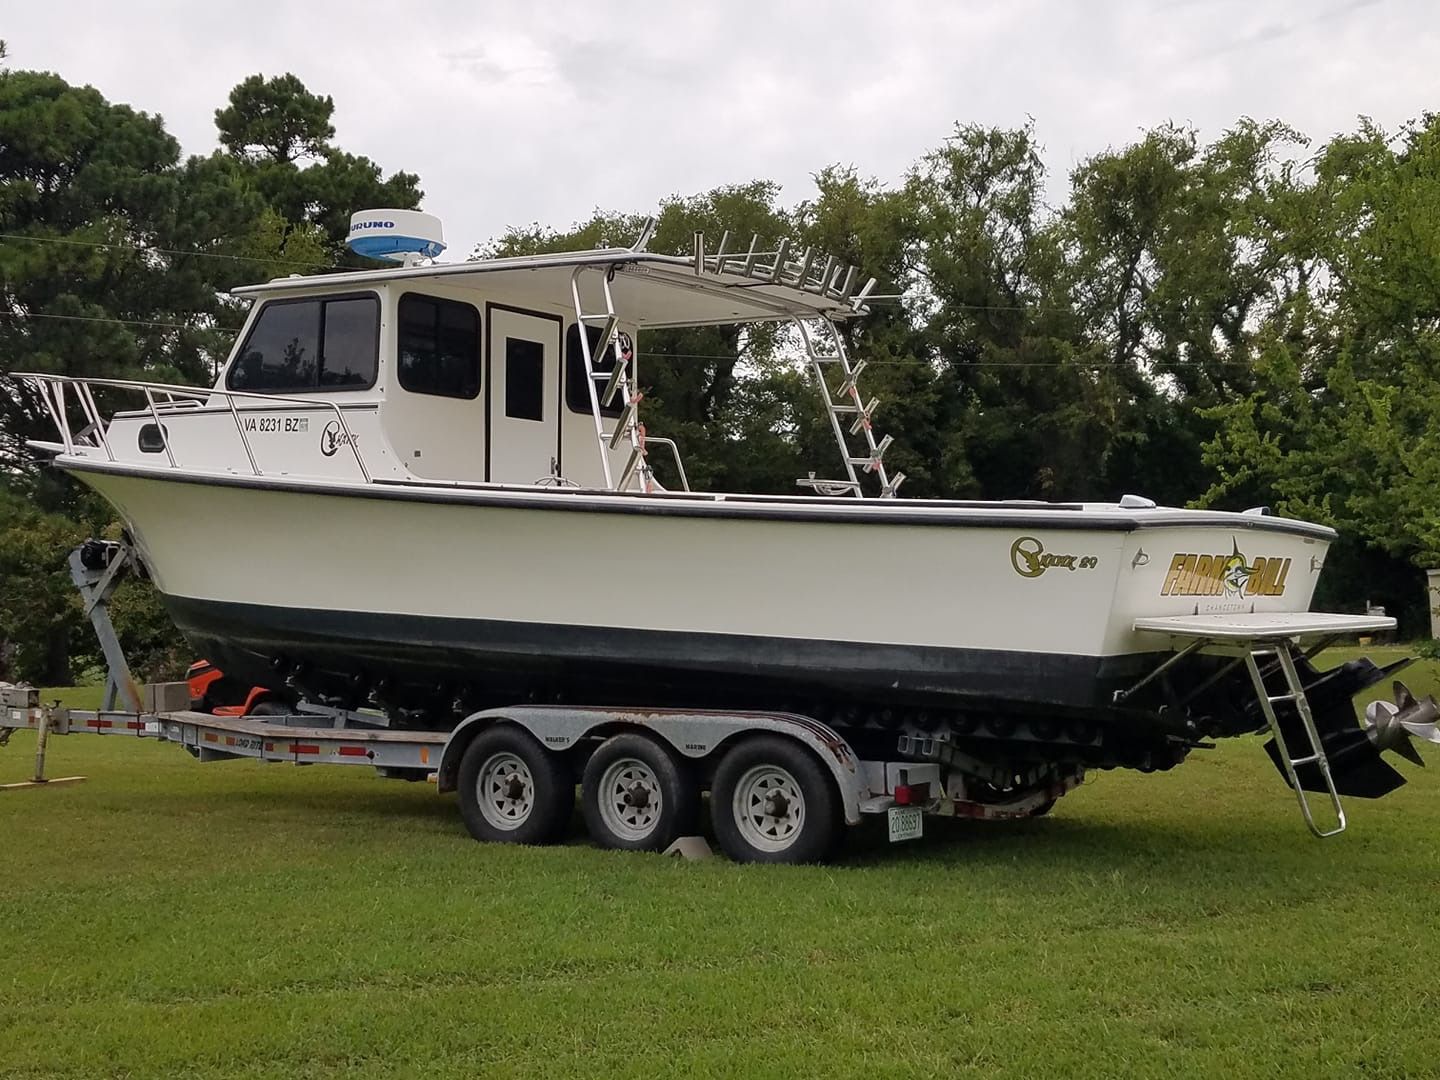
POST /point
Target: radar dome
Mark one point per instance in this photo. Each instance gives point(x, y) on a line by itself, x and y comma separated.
point(403, 236)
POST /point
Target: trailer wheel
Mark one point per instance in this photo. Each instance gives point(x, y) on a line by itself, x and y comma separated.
point(637, 796)
point(771, 802)
point(513, 790)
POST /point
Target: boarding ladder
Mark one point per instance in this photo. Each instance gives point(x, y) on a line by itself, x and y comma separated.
point(824, 347)
point(617, 384)
point(1294, 693)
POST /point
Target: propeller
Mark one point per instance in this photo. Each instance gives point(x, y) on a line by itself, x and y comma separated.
point(1395, 725)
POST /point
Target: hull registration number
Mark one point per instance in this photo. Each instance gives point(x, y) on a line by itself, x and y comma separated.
point(906, 823)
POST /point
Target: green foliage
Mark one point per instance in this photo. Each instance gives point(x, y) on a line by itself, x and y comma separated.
point(270, 127)
point(1343, 422)
point(1427, 649)
point(40, 616)
point(275, 120)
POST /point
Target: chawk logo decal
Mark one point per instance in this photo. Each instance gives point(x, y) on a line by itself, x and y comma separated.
point(1030, 559)
point(333, 438)
point(1193, 574)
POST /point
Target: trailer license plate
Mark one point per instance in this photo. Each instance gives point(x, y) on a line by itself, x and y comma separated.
point(906, 823)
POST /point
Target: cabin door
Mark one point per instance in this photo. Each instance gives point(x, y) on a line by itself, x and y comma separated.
point(523, 362)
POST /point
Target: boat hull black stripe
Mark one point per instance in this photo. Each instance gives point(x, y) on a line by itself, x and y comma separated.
point(243, 638)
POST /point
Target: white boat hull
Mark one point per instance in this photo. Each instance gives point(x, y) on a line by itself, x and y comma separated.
point(644, 597)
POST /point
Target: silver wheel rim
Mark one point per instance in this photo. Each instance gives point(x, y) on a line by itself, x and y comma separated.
point(629, 799)
point(768, 808)
point(505, 791)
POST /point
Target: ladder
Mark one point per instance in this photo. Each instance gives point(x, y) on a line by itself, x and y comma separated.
point(825, 345)
point(830, 279)
point(617, 384)
point(1294, 693)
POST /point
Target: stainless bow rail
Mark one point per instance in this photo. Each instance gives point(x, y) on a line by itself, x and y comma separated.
point(162, 399)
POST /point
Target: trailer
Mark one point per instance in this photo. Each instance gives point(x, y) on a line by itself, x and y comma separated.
point(782, 786)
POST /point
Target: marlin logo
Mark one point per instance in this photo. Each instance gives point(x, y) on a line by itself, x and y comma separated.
point(1235, 572)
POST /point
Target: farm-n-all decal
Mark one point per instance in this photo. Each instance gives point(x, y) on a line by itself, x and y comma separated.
point(1193, 574)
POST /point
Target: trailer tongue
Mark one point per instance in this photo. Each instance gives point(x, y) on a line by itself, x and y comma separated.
point(781, 784)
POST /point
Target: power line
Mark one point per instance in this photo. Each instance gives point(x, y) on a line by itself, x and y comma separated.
point(105, 319)
point(908, 361)
point(165, 251)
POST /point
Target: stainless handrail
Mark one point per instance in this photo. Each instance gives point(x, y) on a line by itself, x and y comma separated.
point(85, 397)
point(684, 480)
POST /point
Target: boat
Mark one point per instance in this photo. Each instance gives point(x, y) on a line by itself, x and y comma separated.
point(429, 488)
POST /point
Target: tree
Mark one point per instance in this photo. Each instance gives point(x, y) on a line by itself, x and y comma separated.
point(1343, 424)
point(1178, 254)
point(275, 121)
point(1023, 411)
point(39, 608)
point(271, 127)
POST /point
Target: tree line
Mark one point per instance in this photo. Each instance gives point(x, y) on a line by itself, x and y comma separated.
point(1251, 320)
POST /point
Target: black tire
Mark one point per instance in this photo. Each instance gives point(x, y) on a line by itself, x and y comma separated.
point(1043, 809)
point(536, 806)
point(787, 837)
point(670, 799)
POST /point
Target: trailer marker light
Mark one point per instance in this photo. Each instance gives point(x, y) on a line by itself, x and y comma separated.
point(304, 748)
point(902, 795)
point(353, 751)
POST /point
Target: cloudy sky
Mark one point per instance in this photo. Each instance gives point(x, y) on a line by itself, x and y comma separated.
point(543, 110)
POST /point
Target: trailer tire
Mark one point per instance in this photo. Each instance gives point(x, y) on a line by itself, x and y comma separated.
point(513, 790)
point(771, 802)
point(637, 796)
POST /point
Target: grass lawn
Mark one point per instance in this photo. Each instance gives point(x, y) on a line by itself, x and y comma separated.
point(169, 919)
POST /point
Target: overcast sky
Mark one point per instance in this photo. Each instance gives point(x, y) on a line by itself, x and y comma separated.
point(544, 110)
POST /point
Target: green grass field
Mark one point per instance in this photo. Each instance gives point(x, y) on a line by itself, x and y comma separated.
point(170, 919)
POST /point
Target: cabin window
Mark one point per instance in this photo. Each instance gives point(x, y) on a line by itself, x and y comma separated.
point(439, 346)
point(312, 344)
point(577, 397)
point(524, 379)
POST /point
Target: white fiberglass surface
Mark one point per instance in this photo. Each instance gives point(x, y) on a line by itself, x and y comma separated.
point(1038, 590)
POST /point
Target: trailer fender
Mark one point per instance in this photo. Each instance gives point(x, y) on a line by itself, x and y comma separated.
point(692, 733)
